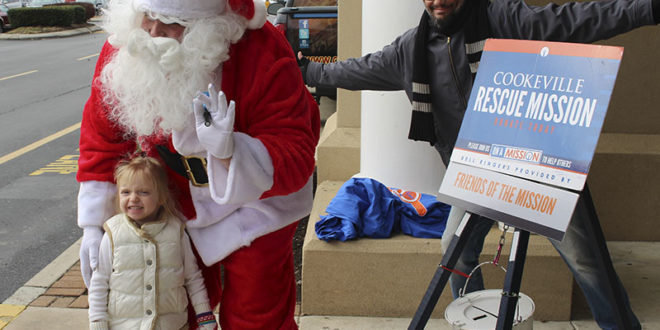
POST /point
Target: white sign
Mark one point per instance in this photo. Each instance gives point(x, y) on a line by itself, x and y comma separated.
point(538, 208)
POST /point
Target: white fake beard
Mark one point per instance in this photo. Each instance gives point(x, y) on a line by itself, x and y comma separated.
point(150, 83)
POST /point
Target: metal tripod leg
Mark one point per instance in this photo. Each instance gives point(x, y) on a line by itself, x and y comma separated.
point(511, 289)
point(513, 278)
point(442, 274)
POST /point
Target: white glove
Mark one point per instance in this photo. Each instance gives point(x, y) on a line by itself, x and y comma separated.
point(89, 251)
point(214, 130)
point(185, 140)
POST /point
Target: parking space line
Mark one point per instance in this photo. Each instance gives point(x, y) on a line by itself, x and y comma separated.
point(18, 75)
point(88, 56)
point(38, 144)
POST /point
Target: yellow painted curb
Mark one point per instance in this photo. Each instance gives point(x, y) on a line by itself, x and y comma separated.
point(10, 310)
point(8, 313)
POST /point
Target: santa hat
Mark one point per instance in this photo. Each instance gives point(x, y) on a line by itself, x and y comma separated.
point(253, 10)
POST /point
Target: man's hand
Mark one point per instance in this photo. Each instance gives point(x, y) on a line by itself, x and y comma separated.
point(303, 62)
point(214, 121)
point(89, 251)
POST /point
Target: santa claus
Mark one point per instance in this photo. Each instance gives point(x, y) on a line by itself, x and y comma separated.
point(215, 92)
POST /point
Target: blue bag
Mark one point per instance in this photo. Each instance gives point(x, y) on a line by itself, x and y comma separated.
point(364, 207)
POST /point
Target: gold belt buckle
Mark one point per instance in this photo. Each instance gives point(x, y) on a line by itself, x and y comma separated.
point(189, 171)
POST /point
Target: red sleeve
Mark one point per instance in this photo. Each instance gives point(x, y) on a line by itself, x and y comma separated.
point(102, 143)
point(274, 106)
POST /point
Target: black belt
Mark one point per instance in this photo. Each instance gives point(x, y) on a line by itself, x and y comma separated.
point(191, 167)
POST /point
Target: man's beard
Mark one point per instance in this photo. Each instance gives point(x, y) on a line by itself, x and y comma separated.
point(452, 22)
point(149, 83)
point(443, 23)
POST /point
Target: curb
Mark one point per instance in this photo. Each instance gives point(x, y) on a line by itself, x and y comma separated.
point(13, 306)
point(9, 313)
point(58, 34)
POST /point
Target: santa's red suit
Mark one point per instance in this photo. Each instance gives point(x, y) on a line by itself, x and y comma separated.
point(247, 215)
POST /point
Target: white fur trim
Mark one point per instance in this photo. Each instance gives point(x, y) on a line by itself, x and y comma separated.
point(207, 210)
point(219, 239)
point(259, 18)
point(186, 10)
point(95, 203)
point(250, 173)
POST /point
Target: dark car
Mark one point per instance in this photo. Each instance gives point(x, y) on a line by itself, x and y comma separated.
point(4, 17)
point(310, 26)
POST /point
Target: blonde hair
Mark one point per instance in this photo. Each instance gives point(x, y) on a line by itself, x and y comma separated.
point(151, 170)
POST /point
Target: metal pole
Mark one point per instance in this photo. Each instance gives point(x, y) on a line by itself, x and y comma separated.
point(511, 289)
point(441, 276)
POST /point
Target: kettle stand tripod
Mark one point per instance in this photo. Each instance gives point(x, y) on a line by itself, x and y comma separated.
point(512, 281)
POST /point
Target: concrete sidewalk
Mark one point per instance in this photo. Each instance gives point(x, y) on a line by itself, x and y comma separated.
point(56, 298)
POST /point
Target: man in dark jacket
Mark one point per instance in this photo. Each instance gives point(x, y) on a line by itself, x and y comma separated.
point(435, 64)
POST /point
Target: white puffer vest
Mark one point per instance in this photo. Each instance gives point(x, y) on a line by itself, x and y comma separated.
point(146, 284)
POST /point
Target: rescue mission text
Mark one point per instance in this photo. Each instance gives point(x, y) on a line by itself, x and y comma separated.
point(557, 100)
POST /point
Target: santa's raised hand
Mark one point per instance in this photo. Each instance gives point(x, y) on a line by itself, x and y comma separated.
point(214, 122)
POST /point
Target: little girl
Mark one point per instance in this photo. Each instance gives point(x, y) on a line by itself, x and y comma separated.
point(146, 263)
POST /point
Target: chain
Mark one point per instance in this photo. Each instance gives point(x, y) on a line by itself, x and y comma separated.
point(496, 259)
